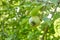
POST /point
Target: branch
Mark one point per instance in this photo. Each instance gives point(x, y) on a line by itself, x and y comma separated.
point(46, 28)
point(45, 31)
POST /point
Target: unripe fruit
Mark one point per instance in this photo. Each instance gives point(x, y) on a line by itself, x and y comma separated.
point(34, 21)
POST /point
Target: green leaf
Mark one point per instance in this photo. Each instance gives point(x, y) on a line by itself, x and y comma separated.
point(35, 10)
point(54, 1)
point(47, 21)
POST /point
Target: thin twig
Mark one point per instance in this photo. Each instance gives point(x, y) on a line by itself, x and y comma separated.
point(45, 31)
point(46, 28)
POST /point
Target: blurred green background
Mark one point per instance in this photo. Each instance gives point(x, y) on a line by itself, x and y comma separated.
point(15, 15)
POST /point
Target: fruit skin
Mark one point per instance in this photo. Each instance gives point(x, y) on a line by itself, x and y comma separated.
point(57, 27)
point(34, 21)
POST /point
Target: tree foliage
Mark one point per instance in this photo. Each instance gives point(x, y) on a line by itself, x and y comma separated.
point(15, 15)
